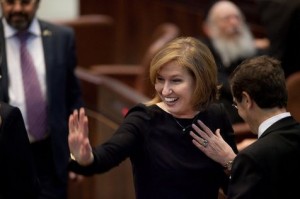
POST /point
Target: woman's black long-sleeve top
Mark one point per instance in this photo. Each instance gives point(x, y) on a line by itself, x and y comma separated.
point(164, 160)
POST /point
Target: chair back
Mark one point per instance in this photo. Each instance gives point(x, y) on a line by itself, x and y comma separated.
point(95, 38)
point(163, 34)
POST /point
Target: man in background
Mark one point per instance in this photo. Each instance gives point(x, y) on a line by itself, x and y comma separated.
point(38, 77)
point(281, 19)
point(230, 41)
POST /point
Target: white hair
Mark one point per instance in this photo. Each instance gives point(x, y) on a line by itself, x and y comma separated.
point(242, 46)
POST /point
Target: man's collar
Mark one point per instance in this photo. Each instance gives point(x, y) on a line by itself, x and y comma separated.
point(267, 123)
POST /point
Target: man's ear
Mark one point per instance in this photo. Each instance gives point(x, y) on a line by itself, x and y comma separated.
point(247, 100)
point(206, 29)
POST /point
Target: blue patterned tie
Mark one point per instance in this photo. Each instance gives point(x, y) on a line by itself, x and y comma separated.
point(35, 102)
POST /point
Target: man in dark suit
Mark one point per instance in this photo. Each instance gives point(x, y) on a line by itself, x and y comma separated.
point(18, 177)
point(52, 50)
point(269, 167)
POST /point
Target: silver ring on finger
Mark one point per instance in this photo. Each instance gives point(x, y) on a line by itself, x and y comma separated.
point(205, 143)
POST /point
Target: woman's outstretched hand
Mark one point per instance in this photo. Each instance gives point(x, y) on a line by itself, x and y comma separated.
point(79, 143)
point(213, 145)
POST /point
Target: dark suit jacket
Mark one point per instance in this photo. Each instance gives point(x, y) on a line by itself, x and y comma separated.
point(18, 178)
point(63, 92)
point(270, 167)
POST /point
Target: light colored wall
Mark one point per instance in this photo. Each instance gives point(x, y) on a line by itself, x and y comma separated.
point(58, 9)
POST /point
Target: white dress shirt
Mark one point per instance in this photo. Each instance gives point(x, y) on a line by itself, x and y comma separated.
point(267, 123)
point(35, 47)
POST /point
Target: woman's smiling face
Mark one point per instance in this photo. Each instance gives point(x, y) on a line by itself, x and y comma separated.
point(175, 86)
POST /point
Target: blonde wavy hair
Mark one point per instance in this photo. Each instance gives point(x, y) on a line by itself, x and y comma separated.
point(194, 56)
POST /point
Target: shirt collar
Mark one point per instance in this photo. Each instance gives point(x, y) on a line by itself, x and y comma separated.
point(267, 123)
point(9, 31)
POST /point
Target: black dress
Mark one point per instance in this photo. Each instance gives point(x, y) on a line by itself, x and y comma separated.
point(164, 160)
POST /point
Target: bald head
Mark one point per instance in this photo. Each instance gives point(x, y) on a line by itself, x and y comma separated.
point(222, 9)
point(226, 17)
point(230, 36)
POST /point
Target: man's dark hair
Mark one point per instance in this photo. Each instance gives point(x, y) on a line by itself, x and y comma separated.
point(263, 79)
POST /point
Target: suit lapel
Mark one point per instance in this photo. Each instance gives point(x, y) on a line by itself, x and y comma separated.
point(46, 35)
point(3, 67)
point(48, 47)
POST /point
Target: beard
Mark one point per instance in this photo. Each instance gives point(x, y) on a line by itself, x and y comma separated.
point(19, 21)
point(230, 50)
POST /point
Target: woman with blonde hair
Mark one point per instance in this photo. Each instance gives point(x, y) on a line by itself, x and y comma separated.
point(155, 135)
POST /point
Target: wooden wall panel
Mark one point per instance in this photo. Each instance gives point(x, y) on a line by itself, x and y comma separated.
point(136, 19)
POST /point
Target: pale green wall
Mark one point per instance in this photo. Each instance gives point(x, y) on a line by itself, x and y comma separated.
point(58, 9)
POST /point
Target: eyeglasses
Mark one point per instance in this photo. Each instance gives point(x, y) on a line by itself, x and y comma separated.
point(234, 105)
point(22, 2)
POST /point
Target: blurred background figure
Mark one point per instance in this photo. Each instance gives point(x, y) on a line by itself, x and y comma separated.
point(231, 41)
point(281, 19)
